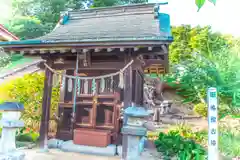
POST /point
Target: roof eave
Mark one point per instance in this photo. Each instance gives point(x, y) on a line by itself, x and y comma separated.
point(35, 43)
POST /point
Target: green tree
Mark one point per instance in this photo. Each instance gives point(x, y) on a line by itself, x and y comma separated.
point(104, 3)
point(47, 12)
point(28, 90)
point(188, 40)
point(26, 27)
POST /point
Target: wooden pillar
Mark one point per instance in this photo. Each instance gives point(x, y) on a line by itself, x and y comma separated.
point(46, 104)
point(127, 103)
point(138, 96)
point(128, 88)
point(166, 59)
point(61, 109)
point(140, 86)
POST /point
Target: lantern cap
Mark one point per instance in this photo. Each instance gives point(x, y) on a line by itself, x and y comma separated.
point(136, 111)
point(11, 106)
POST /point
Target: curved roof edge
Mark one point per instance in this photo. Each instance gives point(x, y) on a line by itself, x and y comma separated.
point(6, 35)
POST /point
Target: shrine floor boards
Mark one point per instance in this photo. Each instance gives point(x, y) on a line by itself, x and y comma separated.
point(53, 154)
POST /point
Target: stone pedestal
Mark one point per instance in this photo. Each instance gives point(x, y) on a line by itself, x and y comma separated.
point(134, 133)
point(10, 123)
point(135, 141)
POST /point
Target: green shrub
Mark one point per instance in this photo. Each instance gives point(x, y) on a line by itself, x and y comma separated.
point(187, 132)
point(5, 60)
point(173, 145)
point(201, 109)
point(229, 143)
point(27, 137)
point(29, 91)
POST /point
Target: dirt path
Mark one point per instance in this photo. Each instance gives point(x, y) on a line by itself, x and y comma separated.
point(180, 114)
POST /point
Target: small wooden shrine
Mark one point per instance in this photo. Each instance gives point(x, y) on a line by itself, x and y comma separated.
point(100, 55)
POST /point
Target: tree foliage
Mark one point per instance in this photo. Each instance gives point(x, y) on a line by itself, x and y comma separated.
point(211, 62)
point(201, 59)
point(26, 27)
point(39, 15)
point(188, 40)
point(29, 91)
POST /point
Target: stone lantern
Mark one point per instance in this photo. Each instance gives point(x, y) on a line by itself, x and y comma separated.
point(10, 122)
point(135, 131)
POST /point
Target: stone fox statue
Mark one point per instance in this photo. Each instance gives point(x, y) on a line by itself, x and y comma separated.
point(161, 106)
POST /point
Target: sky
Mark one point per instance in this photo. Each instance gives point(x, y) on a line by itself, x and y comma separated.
point(221, 17)
point(5, 9)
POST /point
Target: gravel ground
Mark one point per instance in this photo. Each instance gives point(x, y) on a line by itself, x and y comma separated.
point(53, 154)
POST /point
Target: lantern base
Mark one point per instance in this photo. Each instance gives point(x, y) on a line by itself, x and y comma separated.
point(15, 155)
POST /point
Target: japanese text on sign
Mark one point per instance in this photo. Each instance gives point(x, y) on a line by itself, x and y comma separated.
point(212, 124)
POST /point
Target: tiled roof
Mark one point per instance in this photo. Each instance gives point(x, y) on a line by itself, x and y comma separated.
point(131, 22)
point(129, 25)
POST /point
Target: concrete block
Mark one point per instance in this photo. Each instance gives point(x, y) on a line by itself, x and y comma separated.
point(69, 146)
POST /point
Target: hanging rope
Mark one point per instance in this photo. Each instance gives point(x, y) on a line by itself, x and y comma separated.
point(90, 78)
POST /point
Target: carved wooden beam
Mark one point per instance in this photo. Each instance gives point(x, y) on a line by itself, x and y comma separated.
point(122, 49)
point(42, 52)
point(66, 65)
point(85, 50)
point(150, 48)
point(97, 49)
point(73, 50)
point(135, 49)
point(32, 52)
point(62, 51)
point(164, 48)
point(52, 51)
point(67, 51)
point(22, 52)
point(110, 49)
